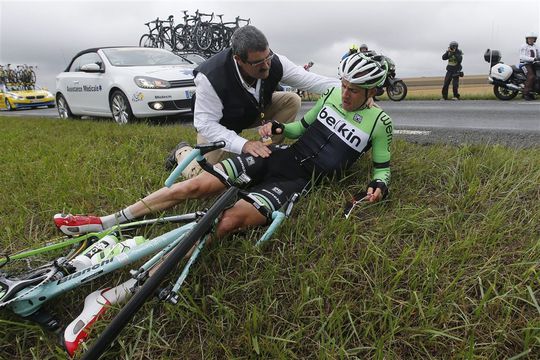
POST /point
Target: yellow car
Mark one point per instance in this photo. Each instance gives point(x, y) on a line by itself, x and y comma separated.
point(14, 97)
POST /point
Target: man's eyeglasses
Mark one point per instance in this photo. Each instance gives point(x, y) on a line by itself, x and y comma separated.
point(259, 63)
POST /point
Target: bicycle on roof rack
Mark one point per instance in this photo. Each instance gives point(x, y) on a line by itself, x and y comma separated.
point(26, 287)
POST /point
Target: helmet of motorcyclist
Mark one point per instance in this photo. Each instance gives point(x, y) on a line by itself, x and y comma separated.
point(364, 71)
point(531, 34)
point(363, 48)
point(453, 45)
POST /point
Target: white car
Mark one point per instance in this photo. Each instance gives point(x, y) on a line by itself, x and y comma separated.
point(125, 83)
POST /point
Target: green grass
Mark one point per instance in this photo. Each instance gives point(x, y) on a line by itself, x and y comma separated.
point(447, 267)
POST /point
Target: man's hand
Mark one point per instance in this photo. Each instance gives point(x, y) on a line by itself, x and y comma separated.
point(256, 148)
point(266, 129)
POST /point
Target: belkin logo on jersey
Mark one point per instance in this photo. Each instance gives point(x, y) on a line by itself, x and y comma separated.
point(351, 135)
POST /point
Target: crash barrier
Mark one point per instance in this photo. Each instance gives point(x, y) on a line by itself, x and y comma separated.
point(196, 34)
point(22, 76)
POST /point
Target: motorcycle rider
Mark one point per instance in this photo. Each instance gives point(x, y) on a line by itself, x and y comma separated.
point(453, 69)
point(353, 49)
point(528, 54)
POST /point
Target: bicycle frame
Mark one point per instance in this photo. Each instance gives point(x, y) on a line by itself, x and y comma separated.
point(34, 299)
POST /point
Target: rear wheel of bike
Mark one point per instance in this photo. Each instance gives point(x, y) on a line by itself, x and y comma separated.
point(182, 40)
point(503, 93)
point(147, 41)
point(204, 37)
point(397, 91)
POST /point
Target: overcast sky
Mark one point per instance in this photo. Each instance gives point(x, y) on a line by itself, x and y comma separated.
point(413, 33)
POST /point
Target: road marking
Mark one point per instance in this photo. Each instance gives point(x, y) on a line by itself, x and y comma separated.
point(412, 132)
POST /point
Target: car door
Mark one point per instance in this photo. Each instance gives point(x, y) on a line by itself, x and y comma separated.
point(94, 92)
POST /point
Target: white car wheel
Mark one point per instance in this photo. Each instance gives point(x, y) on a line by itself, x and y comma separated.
point(120, 108)
point(63, 108)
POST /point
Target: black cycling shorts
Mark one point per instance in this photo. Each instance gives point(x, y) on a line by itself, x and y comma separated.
point(273, 179)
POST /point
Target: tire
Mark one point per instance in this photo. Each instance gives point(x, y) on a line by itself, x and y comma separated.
point(120, 108)
point(203, 37)
point(8, 106)
point(181, 39)
point(503, 93)
point(147, 41)
point(63, 108)
point(398, 91)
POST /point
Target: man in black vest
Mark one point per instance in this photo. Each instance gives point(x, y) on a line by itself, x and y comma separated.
point(236, 91)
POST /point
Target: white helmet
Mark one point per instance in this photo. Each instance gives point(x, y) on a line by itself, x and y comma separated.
point(364, 71)
point(531, 34)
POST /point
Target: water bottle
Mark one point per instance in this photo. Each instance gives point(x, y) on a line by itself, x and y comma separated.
point(119, 248)
point(86, 259)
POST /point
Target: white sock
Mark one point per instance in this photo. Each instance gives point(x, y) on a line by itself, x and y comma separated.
point(117, 218)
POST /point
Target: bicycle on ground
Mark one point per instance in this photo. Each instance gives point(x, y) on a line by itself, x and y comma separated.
point(32, 281)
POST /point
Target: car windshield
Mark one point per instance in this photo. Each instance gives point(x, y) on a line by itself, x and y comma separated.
point(143, 57)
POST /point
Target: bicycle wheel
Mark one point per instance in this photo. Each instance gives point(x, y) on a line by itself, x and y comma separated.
point(150, 286)
point(147, 41)
point(203, 37)
point(180, 37)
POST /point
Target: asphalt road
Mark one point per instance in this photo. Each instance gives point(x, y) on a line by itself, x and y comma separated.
point(514, 123)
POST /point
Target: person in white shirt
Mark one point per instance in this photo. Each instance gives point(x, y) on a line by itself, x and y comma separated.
point(528, 54)
point(236, 90)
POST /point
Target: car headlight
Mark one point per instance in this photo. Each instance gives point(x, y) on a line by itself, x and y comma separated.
point(146, 82)
point(16, 96)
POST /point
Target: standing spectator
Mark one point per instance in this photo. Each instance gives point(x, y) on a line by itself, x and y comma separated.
point(453, 69)
point(528, 54)
point(301, 93)
point(364, 48)
point(308, 65)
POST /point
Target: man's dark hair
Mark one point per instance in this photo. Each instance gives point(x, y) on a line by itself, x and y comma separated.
point(248, 38)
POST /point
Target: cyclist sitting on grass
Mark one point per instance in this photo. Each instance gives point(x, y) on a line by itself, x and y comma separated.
point(331, 136)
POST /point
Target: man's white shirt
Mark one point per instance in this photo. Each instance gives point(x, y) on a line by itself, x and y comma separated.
point(209, 109)
point(526, 51)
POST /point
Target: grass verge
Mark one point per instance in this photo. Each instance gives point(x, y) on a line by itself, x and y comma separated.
point(447, 267)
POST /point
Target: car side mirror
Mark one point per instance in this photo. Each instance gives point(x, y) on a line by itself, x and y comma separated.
point(91, 68)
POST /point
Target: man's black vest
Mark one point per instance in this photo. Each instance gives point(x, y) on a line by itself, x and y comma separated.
point(240, 109)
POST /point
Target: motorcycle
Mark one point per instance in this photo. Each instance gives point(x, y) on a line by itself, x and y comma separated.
point(395, 87)
point(508, 81)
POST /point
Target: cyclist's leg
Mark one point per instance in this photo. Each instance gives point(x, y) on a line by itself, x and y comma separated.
point(240, 216)
point(203, 185)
